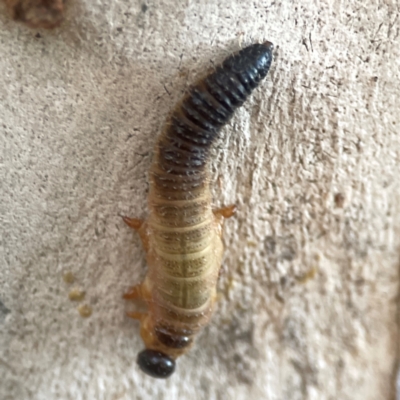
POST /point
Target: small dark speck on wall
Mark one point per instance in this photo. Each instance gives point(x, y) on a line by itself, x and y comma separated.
point(3, 312)
point(339, 200)
point(144, 7)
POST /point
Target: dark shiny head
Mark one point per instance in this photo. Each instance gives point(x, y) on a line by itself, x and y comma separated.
point(155, 363)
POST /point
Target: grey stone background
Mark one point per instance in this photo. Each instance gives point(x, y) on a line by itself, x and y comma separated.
point(308, 305)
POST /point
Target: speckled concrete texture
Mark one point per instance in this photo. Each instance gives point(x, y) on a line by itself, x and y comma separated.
point(309, 295)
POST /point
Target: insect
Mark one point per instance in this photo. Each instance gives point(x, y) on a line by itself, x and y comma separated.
point(37, 13)
point(182, 235)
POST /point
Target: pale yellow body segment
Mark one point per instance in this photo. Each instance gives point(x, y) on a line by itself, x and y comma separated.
point(182, 239)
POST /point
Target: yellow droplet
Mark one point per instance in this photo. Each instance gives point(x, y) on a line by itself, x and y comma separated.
point(69, 277)
point(76, 294)
point(85, 310)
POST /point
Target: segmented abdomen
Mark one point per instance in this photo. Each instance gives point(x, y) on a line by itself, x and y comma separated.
point(185, 238)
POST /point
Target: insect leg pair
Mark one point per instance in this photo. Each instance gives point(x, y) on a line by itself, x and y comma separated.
point(138, 292)
point(225, 212)
point(220, 215)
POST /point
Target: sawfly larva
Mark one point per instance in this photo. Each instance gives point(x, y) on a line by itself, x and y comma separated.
point(182, 235)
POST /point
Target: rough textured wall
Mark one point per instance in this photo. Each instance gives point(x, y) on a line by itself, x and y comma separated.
point(308, 303)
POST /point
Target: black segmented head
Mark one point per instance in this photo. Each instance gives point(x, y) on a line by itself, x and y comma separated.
point(155, 363)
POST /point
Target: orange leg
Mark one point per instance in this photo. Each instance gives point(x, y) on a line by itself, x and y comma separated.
point(136, 315)
point(140, 226)
point(137, 292)
point(221, 214)
point(226, 212)
point(133, 223)
point(134, 293)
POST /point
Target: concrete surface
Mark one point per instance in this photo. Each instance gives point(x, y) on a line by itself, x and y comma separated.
point(309, 295)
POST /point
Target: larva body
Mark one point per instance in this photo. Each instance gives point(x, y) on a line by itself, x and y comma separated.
point(182, 236)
